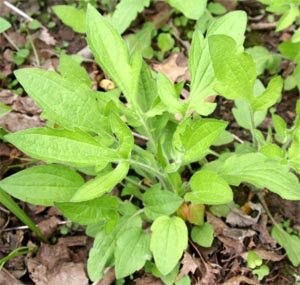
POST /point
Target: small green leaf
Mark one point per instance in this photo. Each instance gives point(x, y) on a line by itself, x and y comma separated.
point(4, 109)
point(126, 11)
point(192, 9)
point(34, 25)
point(287, 18)
point(165, 42)
point(160, 202)
point(291, 243)
point(254, 260)
point(208, 188)
point(109, 49)
point(52, 145)
point(261, 272)
point(90, 212)
point(168, 241)
point(4, 25)
point(103, 183)
point(290, 50)
point(71, 16)
point(131, 252)
point(43, 185)
point(203, 235)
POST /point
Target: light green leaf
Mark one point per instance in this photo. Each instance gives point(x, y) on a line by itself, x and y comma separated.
point(290, 50)
point(262, 58)
point(4, 25)
point(126, 11)
point(109, 49)
point(103, 183)
point(90, 212)
point(192, 9)
point(203, 235)
point(168, 241)
point(290, 242)
point(131, 252)
point(71, 16)
point(288, 18)
point(4, 109)
point(69, 68)
point(52, 145)
point(257, 169)
point(43, 185)
point(165, 41)
point(235, 71)
point(270, 96)
point(168, 95)
point(193, 138)
point(227, 25)
point(160, 202)
point(208, 188)
point(69, 105)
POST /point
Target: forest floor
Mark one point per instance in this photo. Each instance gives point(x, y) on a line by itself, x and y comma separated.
point(64, 260)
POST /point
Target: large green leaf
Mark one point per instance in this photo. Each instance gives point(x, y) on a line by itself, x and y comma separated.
point(72, 17)
point(168, 241)
point(257, 169)
point(69, 105)
point(131, 252)
point(192, 139)
point(103, 183)
point(52, 145)
point(126, 11)
point(160, 202)
point(235, 71)
point(208, 188)
point(233, 24)
point(90, 212)
point(43, 185)
point(109, 49)
point(192, 9)
point(290, 242)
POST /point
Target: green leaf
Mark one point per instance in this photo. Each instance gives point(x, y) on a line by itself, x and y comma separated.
point(90, 212)
point(70, 69)
point(160, 202)
point(235, 71)
point(165, 41)
point(69, 105)
point(4, 109)
point(109, 49)
point(290, 50)
point(168, 241)
point(291, 243)
point(52, 145)
point(208, 188)
point(227, 25)
point(192, 9)
point(257, 169)
point(12, 206)
point(103, 183)
point(71, 16)
point(261, 272)
point(131, 252)
point(4, 25)
point(288, 18)
point(203, 235)
point(270, 96)
point(126, 11)
point(168, 95)
point(254, 260)
point(43, 185)
point(193, 138)
point(262, 58)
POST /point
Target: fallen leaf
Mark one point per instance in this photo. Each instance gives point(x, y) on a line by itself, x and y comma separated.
point(49, 226)
point(175, 67)
point(7, 278)
point(108, 278)
point(265, 254)
point(148, 279)
point(189, 265)
point(264, 235)
point(71, 241)
point(218, 225)
point(45, 37)
point(237, 280)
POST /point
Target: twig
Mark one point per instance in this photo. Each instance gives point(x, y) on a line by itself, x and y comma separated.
point(263, 26)
point(18, 11)
point(10, 41)
point(237, 138)
point(139, 136)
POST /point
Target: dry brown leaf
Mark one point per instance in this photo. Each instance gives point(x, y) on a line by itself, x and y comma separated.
point(72, 241)
point(265, 254)
point(237, 280)
point(229, 4)
point(148, 279)
point(45, 37)
point(175, 67)
point(49, 226)
point(7, 278)
point(108, 278)
point(218, 225)
point(264, 235)
point(189, 265)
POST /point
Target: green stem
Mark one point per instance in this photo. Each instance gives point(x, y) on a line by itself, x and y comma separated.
point(139, 185)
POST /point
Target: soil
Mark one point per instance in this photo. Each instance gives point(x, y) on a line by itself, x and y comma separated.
point(64, 259)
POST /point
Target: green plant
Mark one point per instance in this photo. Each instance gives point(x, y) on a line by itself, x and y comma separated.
point(95, 131)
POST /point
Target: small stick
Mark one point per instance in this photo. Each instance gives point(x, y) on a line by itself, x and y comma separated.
point(18, 11)
point(10, 41)
point(237, 138)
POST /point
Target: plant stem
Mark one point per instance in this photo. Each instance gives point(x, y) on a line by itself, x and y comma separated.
point(139, 185)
